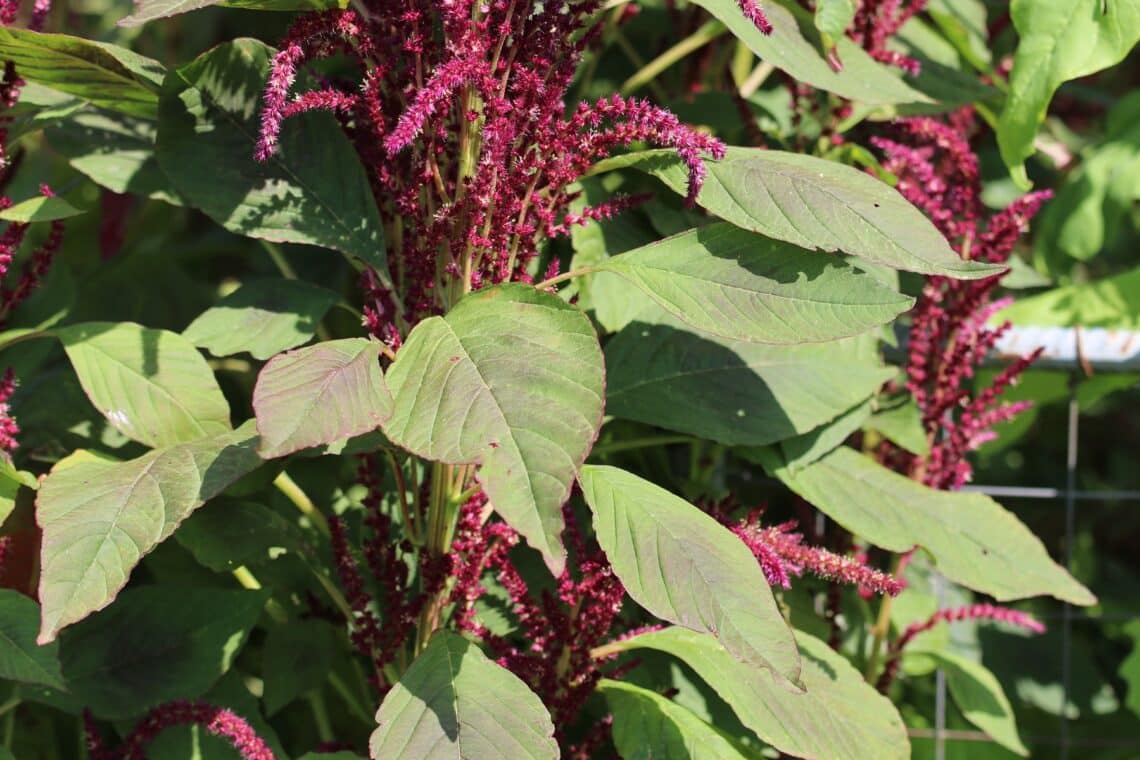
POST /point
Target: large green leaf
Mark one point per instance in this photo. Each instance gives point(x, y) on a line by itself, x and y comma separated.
point(152, 385)
point(156, 643)
point(973, 540)
point(21, 659)
point(978, 695)
point(99, 517)
point(1060, 40)
point(512, 379)
point(320, 394)
point(152, 10)
point(735, 393)
point(106, 75)
point(1113, 303)
point(297, 658)
point(453, 702)
point(41, 209)
point(225, 534)
point(648, 726)
point(838, 717)
point(733, 283)
point(787, 48)
point(262, 317)
point(210, 107)
point(815, 204)
point(685, 567)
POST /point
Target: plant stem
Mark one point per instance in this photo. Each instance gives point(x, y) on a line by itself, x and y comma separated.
point(756, 78)
point(639, 443)
point(301, 500)
point(273, 608)
point(566, 276)
point(882, 628)
point(278, 256)
point(695, 41)
point(349, 699)
point(320, 715)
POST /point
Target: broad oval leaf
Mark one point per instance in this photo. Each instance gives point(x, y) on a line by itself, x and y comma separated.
point(155, 644)
point(262, 317)
point(733, 283)
point(211, 106)
point(320, 394)
point(106, 75)
point(99, 517)
point(648, 726)
point(21, 658)
point(1059, 40)
point(731, 392)
point(152, 10)
point(815, 204)
point(839, 716)
point(511, 379)
point(152, 385)
point(973, 540)
point(685, 567)
point(453, 702)
point(862, 78)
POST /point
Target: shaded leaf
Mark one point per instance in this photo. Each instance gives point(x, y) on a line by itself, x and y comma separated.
point(211, 106)
point(454, 702)
point(21, 659)
point(156, 643)
point(296, 660)
point(224, 534)
point(320, 394)
point(262, 317)
point(99, 517)
point(151, 385)
point(41, 209)
point(647, 725)
point(685, 567)
point(106, 75)
point(973, 540)
point(152, 10)
point(815, 204)
point(512, 379)
point(735, 284)
point(839, 717)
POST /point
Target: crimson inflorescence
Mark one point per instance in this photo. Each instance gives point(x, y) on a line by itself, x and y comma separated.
point(458, 112)
point(876, 21)
point(218, 721)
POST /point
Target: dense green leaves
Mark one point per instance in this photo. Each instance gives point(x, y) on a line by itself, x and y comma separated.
point(839, 715)
point(106, 75)
point(815, 204)
point(297, 659)
point(453, 702)
point(210, 107)
point(100, 517)
point(262, 317)
point(21, 659)
point(511, 379)
point(685, 567)
point(862, 78)
point(733, 392)
point(1113, 302)
point(151, 10)
point(1060, 40)
point(151, 385)
point(973, 540)
point(320, 394)
point(735, 284)
point(154, 644)
point(648, 725)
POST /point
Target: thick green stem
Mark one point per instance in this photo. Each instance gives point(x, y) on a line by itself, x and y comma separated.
point(301, 500)
point(695, 41)
point(882, 629)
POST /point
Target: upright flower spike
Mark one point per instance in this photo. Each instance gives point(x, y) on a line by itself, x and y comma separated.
point(217, 721)
point(755, 14)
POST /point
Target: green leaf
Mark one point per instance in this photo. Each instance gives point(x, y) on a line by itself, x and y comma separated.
point(862, 78)
point(815, 204)
point(224, 535)
point(735, 393)
point(1060, 40)
point(11, 480)
point(114, 150)
point(964, 24)
point(106, 75)
point(511, 379)
point(900, 421)
point(973, 540)
point(41, 209)
point(647, 726)
point(1113, 303)
point(453, 702)
point(152, 385)
point(839, 717)
point(320, 394)
point(297, 659)
point(685, 567)
point(262, 317)
point(152, 10)
point(979, 696)
point(155, 644)
point(832, 17)
point(807, 448)
point(21, 659)
point(735, 284)
point(99, 517)
point(211, 106)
